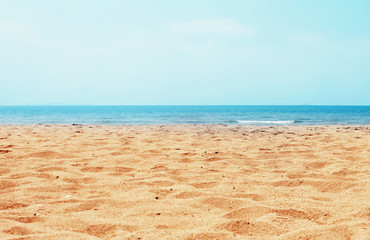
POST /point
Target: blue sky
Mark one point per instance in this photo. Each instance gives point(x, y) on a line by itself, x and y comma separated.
point(117, 52)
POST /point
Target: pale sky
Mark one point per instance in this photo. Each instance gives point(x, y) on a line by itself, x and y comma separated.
point(116, 52)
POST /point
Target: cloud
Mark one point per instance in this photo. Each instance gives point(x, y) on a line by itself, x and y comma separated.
point(17, 38)
point(309, 39)
point(17, 31)
point(210, 27)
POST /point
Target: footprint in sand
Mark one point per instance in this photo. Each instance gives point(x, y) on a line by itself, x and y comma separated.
point(205, 184)
point(254, 197)
point(4, 151)
point(207, 236)
point(88, 205)
point(49, 155)
point(5, 185)
point(185, 195)
point(339, 232)
point(258, 229)
point(51, 169)
point(17, 230)
point(223, 203)
point(103, 231)
point(12, 205)
point(248, 213)
point(4, 171)
point(27, 219)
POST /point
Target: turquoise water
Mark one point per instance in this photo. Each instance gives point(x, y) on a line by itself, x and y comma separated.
point(139, 115)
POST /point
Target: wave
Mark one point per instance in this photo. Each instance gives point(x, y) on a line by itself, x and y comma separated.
point(265, 122)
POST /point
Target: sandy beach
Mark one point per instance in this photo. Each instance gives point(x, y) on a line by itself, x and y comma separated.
point(184, 182)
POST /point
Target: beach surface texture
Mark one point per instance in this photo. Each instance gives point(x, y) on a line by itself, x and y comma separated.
point(184, 182)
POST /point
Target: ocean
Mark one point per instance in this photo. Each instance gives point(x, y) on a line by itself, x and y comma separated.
point(143, 115)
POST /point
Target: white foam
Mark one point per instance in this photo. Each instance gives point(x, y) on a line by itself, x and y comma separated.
point(264, 122)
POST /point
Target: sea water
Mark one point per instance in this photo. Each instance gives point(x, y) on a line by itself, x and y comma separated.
point(142, 115)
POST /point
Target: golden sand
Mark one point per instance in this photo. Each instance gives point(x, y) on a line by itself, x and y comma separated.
point(184, 182)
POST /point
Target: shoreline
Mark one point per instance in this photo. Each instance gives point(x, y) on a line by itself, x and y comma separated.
point(185, 124)
point(211, 181)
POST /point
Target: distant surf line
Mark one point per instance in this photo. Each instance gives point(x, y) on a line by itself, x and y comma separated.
point(265, 122)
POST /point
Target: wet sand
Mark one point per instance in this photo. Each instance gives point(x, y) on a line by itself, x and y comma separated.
point(184, 182)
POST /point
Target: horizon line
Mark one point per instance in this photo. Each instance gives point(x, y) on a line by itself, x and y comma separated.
point(178, 105)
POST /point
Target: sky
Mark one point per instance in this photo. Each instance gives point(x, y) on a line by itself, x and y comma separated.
point(184, 52)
